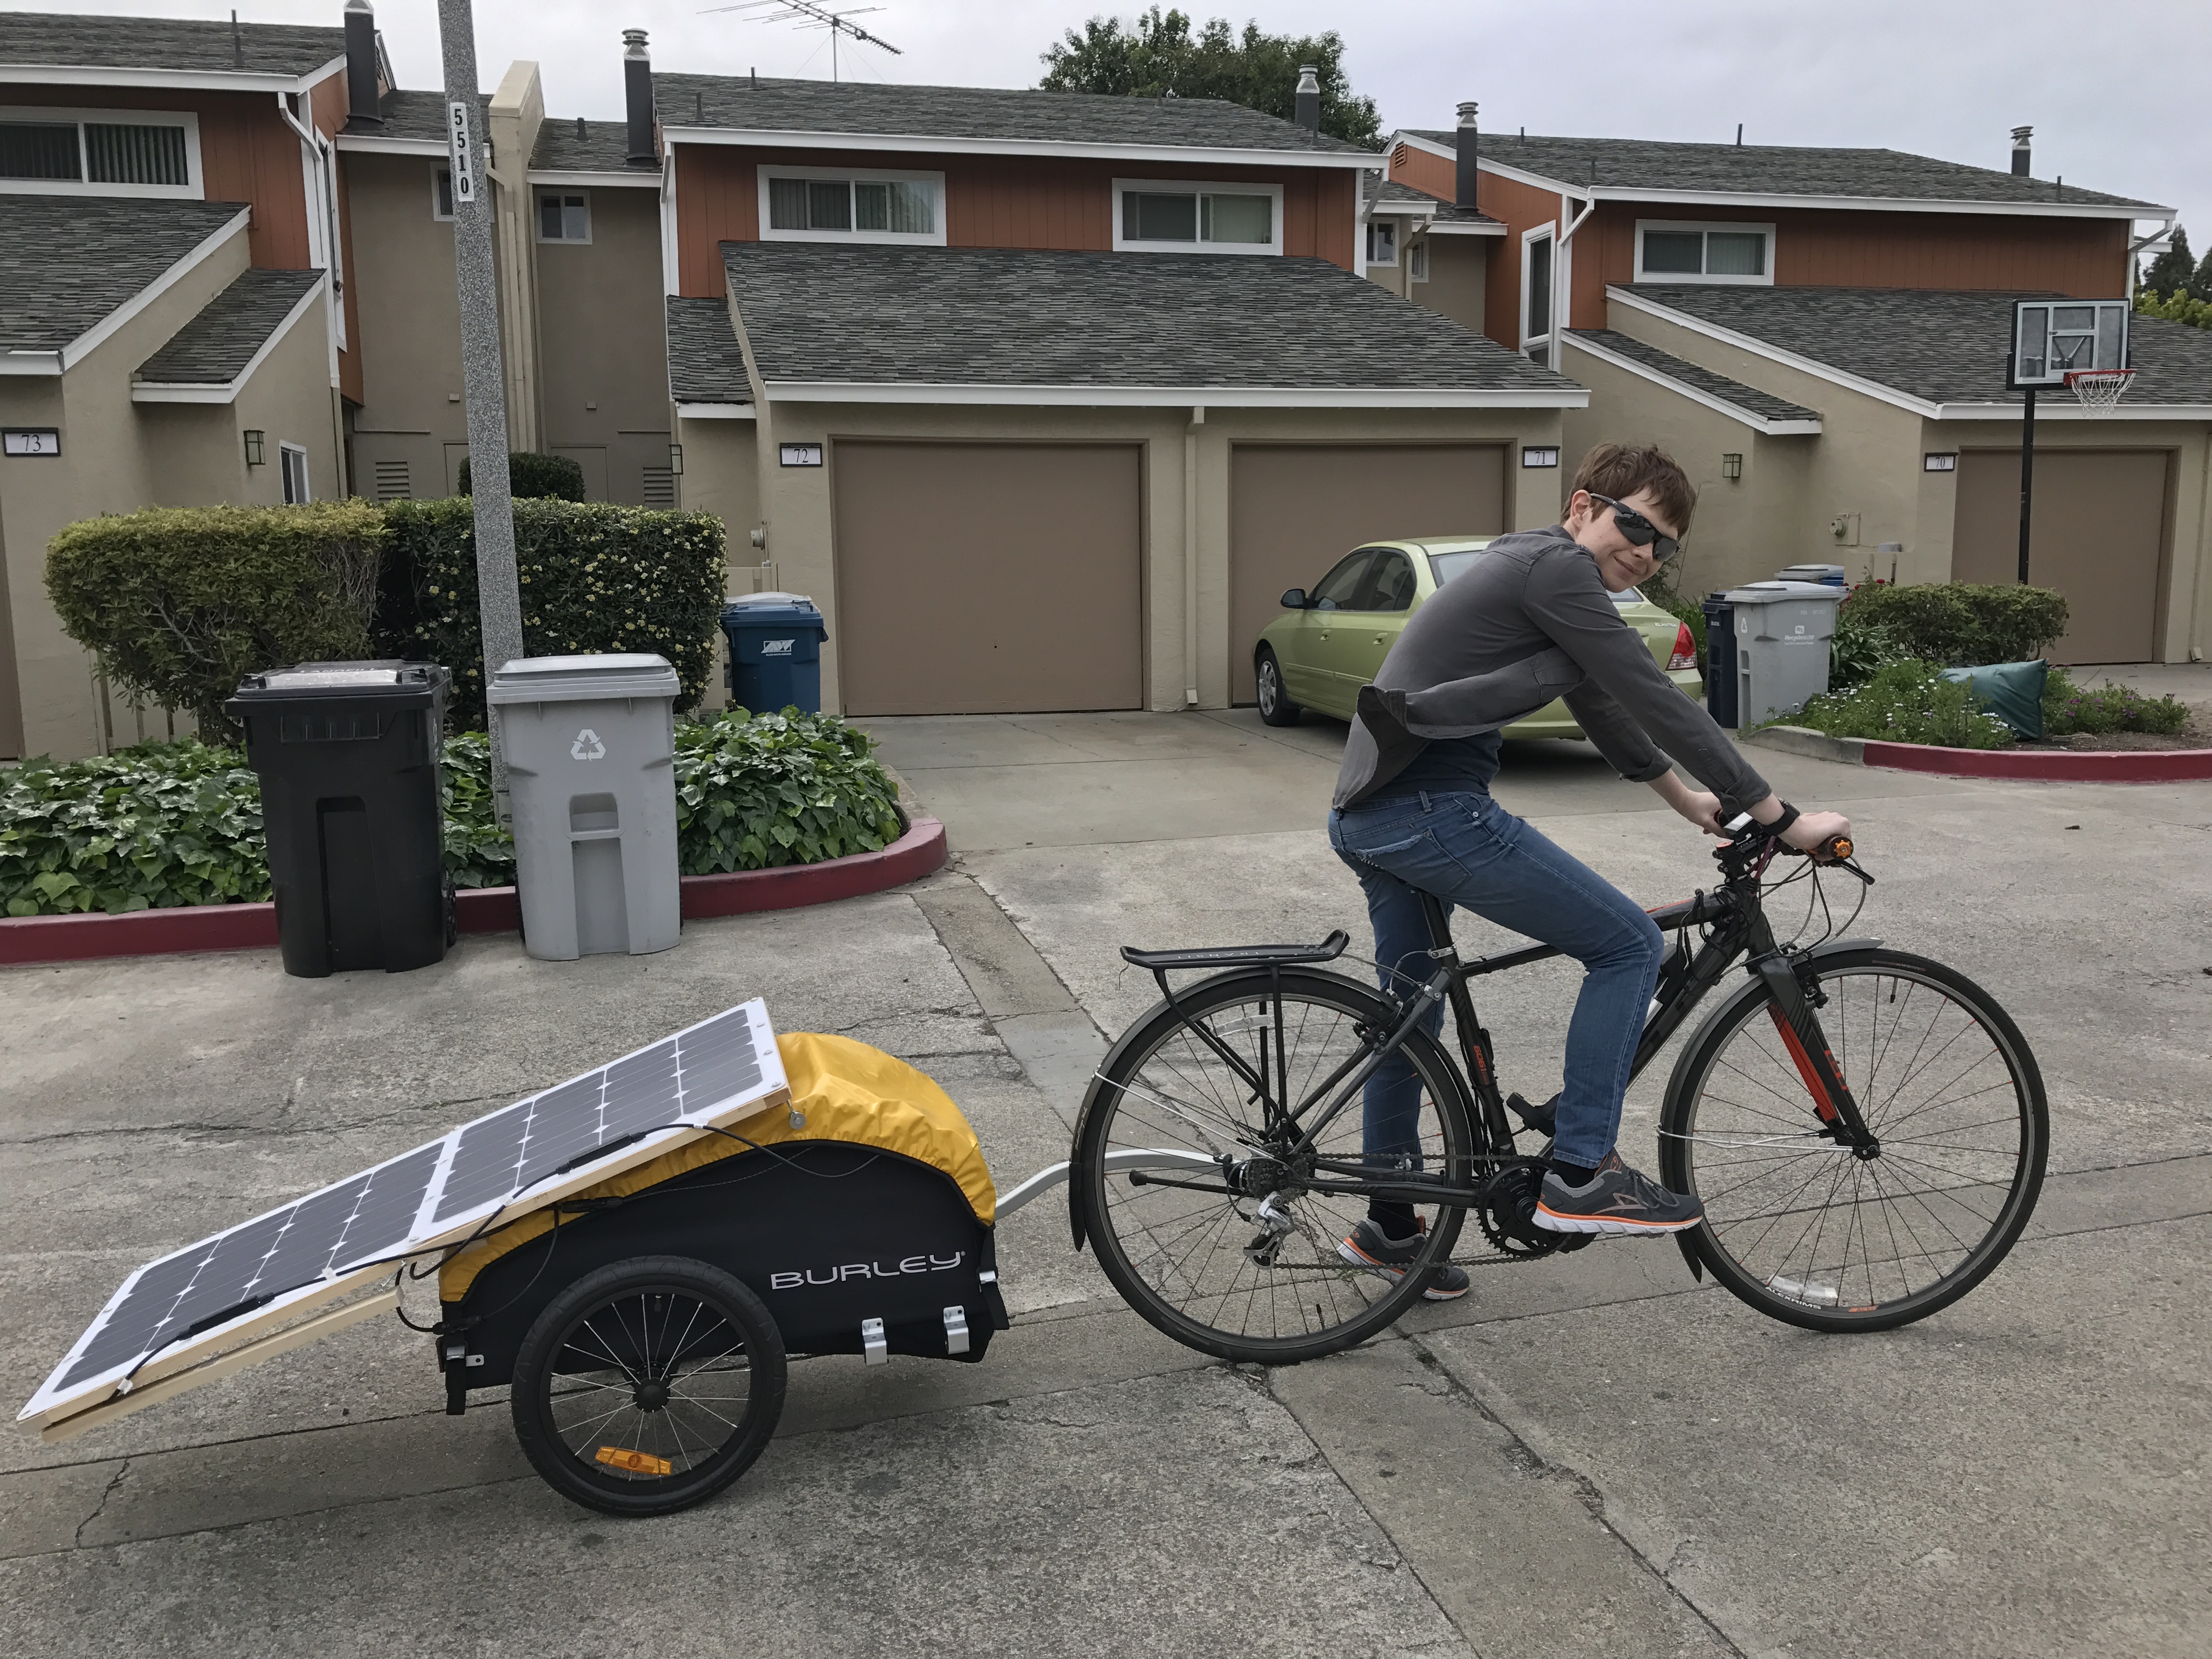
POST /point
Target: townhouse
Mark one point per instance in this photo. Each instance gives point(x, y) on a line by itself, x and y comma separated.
point(1821, 334)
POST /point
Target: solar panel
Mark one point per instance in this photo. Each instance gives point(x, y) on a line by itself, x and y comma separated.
point(173, 1313)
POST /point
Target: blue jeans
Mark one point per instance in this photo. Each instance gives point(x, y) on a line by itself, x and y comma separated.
point(1473, 854)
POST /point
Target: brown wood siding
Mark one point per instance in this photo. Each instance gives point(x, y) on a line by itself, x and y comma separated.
point(247, 154)
point(1296, 509)
point(328, 103)
point(1437, 174)
point(1850, 247)
point(1520, 208)
point(984, 579)
point(2098, 536)
point(990, 201)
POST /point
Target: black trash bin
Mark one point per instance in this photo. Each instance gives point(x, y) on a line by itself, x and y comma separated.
point(776, 652)
point(1720, 661)
point(348, 753)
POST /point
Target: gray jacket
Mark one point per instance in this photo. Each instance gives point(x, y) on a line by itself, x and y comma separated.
point(1528, 622)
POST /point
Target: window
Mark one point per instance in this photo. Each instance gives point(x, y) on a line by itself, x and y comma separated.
point(294, 460)
point(1417, 261)
point(1676, 253)
point(1390, 585)
point(1382, 243)
point(1338, 588)
point(564, 217)
point(1444, 566)
point(1536, 295)
point(820, 204)
point(1174, 216)
point(441, 194)
point(99, 153)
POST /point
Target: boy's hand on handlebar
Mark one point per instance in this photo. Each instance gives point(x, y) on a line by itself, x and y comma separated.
point(1813, 830)
point(1702, 809)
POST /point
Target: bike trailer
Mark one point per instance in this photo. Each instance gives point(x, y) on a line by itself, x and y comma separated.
point(862, 1217)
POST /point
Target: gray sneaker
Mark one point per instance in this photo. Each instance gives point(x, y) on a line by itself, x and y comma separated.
point(1367, 1247)
point(1617, 1199)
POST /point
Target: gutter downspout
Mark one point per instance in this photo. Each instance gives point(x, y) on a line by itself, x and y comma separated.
point(1190, 556)
point(326, 188)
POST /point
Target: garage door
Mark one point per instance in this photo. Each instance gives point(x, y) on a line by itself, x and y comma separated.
point(1296, 509)
point(2097, 537)
point(988, 578)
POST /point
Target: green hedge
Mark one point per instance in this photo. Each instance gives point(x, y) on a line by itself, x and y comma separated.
point(530, 474)
point(180, 824)
point(1952, 624)
point(595, 577)
point(179, 603)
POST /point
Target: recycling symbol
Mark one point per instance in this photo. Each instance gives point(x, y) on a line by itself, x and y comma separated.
point(587, 746)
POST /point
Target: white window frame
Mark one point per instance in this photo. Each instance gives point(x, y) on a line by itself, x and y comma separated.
point(1546, 232)
point(1198, 187)
point(865, 175)
point(537, 195)
point(1417, 259)
point(1686, 226)
point(436, 173)
point(1389, 227)
point(194, 189)
point(285, 452)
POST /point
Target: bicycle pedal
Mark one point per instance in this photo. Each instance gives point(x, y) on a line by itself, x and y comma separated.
point(1538, 1118)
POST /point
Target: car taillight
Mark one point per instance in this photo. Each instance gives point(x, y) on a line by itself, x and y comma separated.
point(1685, 649)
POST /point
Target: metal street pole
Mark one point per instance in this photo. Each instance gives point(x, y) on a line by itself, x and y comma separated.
point(483, 380)
point(2026, 479)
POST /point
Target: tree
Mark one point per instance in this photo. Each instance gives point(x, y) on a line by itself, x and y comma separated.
point(2200, 285)
point(2171, 272)
point(1157, 56)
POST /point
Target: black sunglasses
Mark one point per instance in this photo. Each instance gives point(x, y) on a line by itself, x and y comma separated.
point(1640, 529)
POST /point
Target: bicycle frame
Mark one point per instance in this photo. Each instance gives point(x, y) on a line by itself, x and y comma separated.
point(1739, 930)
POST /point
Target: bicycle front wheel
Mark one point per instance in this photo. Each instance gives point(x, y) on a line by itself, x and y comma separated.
point(1259, 1277)
point(1803, 1228)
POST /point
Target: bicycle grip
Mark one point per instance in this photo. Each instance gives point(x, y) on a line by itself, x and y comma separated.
point(1834, 850)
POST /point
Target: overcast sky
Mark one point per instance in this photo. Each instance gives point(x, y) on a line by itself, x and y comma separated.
point(2119, 93)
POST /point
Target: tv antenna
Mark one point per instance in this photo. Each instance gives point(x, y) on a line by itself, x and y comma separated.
point(808, 16)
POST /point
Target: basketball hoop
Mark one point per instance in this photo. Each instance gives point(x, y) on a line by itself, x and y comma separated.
point(2099, 390)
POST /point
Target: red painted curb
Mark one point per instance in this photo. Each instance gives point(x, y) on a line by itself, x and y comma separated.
point(2048, 765)
point(479, 910)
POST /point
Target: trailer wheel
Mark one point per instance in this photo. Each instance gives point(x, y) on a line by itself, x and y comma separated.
point(648, 1385)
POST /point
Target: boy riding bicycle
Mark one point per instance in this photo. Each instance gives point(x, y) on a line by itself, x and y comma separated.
point(1531, 620)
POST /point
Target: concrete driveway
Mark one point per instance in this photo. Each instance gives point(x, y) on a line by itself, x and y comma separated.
point(1590, 1455)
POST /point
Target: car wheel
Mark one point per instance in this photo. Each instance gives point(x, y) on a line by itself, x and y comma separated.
point(1276, 707)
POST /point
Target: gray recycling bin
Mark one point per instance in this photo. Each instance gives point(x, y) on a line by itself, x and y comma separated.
point(590, 744)
point(1782, 634)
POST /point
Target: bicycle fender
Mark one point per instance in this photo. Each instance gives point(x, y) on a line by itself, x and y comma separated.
point(1751, 990)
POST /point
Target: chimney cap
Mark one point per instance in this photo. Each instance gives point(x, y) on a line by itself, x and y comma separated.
point(359, 5)
point(634, 43)
point(1467, 113)
point(2020, 135)
point(1309, 78)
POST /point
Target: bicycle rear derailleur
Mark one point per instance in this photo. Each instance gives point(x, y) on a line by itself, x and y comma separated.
point(1507, 1213)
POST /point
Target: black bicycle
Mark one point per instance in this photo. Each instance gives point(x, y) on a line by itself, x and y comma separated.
point(1865, 1128)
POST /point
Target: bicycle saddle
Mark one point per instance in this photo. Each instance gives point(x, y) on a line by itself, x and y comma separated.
point(1233, 955)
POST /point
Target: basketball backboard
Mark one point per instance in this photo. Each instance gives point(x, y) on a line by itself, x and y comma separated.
point(2052, 337)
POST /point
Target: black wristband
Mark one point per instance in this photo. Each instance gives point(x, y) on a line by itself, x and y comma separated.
point(1789, 815)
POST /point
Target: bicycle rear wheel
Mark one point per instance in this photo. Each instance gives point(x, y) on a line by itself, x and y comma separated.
point(1203, 1263)
point(1805, 1229)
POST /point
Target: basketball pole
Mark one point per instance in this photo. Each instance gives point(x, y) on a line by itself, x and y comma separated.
point(2026, 479)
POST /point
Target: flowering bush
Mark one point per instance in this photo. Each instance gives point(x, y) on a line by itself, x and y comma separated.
point(1907, 701)
point(2068, 707)
point(594, 577)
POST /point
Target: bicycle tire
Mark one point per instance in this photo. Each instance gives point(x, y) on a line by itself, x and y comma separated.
point(636, 1459)
point(1765, 1209)
point(1328, 1013)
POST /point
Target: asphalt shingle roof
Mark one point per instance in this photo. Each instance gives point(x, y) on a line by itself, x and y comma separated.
point(581, 146)
point(67, 261)
point(704, 363)
point(167, 43)
point(414, 115)
point(1947, 348)
point(1063, 118)
point(1748, 398)
point(1770, 170)
point(216, 346)
point(872, 314)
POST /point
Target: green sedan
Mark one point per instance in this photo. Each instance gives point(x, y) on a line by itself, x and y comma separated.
point(1333, 638)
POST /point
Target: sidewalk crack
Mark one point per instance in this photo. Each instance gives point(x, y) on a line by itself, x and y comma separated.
point(100, 1508)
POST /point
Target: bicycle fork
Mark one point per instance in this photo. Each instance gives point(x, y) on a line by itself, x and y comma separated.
point(1798, 1024)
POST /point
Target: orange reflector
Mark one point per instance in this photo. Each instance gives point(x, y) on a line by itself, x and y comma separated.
point(636, 1462)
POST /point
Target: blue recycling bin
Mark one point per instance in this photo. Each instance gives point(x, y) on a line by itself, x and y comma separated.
point(1720, 661)
point(776, 652)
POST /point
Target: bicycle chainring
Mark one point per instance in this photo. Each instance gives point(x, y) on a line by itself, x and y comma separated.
point(1507, 1213)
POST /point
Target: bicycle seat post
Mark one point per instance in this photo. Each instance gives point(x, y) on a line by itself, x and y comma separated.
point(1439, 921)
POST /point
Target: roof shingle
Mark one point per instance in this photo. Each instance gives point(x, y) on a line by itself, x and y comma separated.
point(216, 345)
point(1771, 170)
point(878, 315)
point(166, 43)
point(705, 365)
point(67, 261)
point(1942, 347)
point(979, 112)
point(1750, 399)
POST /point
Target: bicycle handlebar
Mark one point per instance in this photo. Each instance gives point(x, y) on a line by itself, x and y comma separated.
point(1837, 850)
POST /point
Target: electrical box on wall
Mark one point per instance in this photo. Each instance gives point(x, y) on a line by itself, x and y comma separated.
point(1844, 527)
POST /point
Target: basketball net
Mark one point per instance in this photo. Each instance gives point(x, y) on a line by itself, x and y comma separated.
point(2098, 390)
